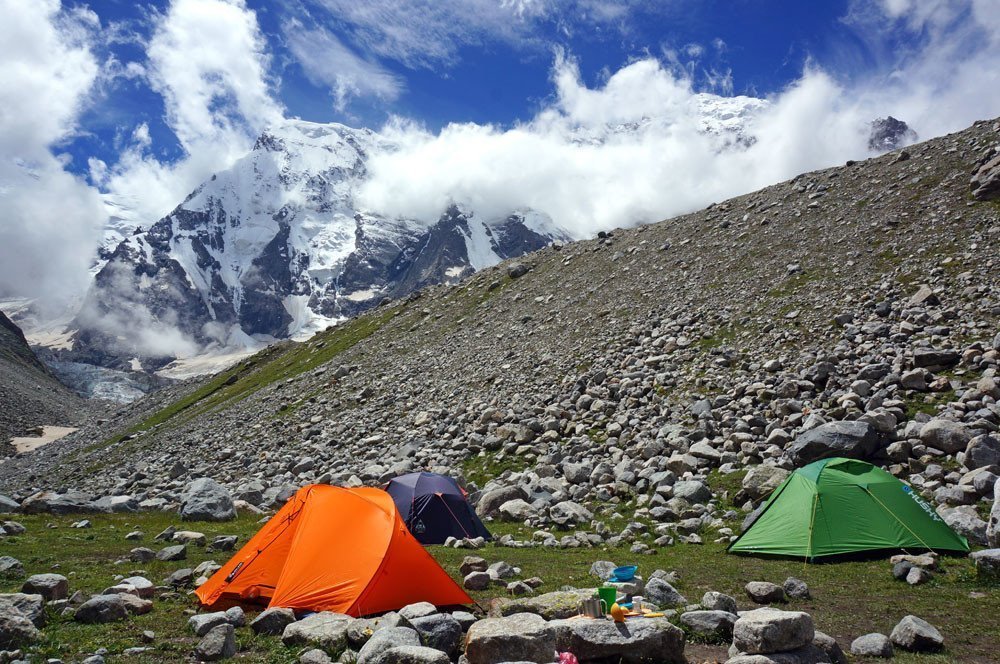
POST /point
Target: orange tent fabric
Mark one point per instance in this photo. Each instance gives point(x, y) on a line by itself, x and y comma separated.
point(333, 549)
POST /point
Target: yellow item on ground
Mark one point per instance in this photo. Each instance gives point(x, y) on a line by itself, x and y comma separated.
point(617, 613)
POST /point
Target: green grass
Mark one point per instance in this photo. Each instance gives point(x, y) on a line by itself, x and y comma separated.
point(849, 598)
point(927, 402)
point(481, 469)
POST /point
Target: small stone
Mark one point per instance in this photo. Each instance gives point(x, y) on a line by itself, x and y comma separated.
point(763, 592)
point(219, 643)
point(272, 622)
point(796, 588)
point(171, 553)
point(50, 586)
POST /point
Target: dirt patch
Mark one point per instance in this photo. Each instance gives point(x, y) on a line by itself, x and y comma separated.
point(49, 434)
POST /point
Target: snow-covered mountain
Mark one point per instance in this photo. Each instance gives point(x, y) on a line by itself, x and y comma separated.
point(276, 247)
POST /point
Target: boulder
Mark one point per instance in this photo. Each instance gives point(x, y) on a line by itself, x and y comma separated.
point(916, 635)
point(663, 594)
point(16, 630)
point(204, 499)
point(218, 643)
point(489, 503)
point(761, 480)
point(852, 439)
point(472, 564)
point(516, 510)
point(985, 182)
point(770, 630)
point(386, 639)
point(521, 637)
point(202, 623)
point(326, 630)
point(417, 610)
point(935, 360)
point(477, 581)
point(50, 586)
point(412, 655)
point(692, 491)
point(8, 505)
point(50, 502)
point(714, 601)
point(272, 621)
point(987, 563)
point(602, 569)
point(712, 625)
point(649, 640)
point(102, 609)
point(143, 587)
point(982, 451)
point(567, 513)
point(872, 645)
point(172, 553)
point(441, 631)
point(550, 606)
point(828, 644)
point(945, 435)
point(31, 607)
point(763, 592)
point(965, 521)
point(11, 567)
point(809, 654)
point(993, 525)
point(796, 588)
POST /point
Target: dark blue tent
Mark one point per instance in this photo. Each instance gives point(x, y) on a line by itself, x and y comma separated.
point(434, 508)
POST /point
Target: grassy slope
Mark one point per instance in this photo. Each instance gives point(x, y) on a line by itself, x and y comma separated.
point(851, 598)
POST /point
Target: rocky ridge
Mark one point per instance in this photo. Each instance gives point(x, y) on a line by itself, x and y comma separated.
point(30, 396)
point(852, 310)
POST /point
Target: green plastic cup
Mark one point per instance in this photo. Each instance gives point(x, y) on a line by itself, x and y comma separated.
point(608, 594)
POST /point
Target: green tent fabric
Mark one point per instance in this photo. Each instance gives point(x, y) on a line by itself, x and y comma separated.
point(839, 506)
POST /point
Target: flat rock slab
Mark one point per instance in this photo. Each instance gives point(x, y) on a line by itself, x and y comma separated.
point(325, 630)
point(916, 635)
point(551, 606)
point(766, 631)
point(638, 640)
point(521, 637)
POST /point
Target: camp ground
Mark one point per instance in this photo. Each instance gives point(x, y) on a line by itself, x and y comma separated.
point(333, 549)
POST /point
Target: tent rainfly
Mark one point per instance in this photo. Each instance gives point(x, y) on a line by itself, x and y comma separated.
point(841, 506)
point(435, 508)
point(333, 549)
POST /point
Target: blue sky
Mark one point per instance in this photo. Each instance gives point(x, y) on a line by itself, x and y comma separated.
point(493, 69)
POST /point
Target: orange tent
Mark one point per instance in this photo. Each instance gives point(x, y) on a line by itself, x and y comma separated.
point(333, 549)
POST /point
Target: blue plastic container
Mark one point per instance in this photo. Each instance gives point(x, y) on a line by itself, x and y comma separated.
point(624, 573)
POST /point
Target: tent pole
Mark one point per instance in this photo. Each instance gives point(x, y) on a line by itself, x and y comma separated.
point(812, 521)
point(882, 505)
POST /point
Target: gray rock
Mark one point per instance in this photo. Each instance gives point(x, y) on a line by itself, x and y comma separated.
point(714, 601)
point(770, 630)
point(693, 491)
point(714, 625)
point(385, 639)
point(764, 592)
point(11, 567)
point(901, 569)
point(966, 522)
point(559, 604)
point(521, 637)
point(219, 643)
point(987, 563)
point(441, 631)
point(50, 586)
point(235, 616)
point(31, 607)
point(829, 645)
point(8, 505)
point(567, 512)
point(761, 480)
point(982, 451)
point(180, 578)
point(326, 630)
point(796, 588)
point(315, 656)
point(172, 553)
point(918, 576)
point(50, 502)
point(985, 182)
point(141, 554)
point(516, 510)
point(852, 439)
point(602, 569)
point(916, 635)
point(993, 525)
point(144, 588)
point(472, 564)
point(272, 621)
point(204, 499)
point(16, 630)
point(417, 610)
point(872, 645)
point(945, 435)
point(477, 581)
point(102, 609)
point(202, 623)
point(935, 360)
point(412, 655)
point(649, 640)
point(809, 654)
point(663, 594)
point(489, 503)
point(464, 618)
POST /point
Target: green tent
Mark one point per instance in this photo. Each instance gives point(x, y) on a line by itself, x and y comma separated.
point(837, 506)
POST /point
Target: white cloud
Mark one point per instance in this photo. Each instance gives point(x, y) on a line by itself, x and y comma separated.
point(328, 62)
point(209, 61)
point(948, 79)
point(50, 218)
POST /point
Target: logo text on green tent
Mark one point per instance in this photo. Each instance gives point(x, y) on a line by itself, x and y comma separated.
point(924, 505)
